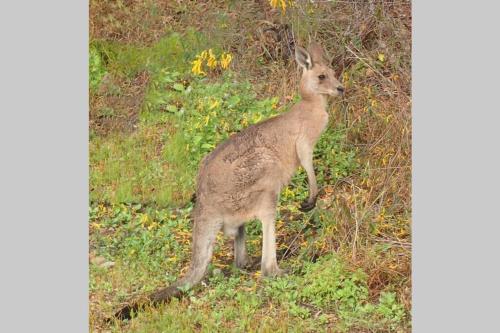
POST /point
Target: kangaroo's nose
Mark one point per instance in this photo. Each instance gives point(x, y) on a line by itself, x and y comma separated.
point(340, 89)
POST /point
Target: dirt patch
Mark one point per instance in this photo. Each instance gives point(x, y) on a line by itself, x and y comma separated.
point(116, 104)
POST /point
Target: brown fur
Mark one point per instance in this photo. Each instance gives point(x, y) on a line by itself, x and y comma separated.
point(241, 178)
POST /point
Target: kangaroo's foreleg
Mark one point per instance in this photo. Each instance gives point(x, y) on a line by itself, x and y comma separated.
point(305, 154)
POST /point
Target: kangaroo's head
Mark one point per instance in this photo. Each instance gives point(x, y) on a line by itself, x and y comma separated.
point(317, 78)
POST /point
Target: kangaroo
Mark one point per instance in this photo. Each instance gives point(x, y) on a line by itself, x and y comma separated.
point(241, 179)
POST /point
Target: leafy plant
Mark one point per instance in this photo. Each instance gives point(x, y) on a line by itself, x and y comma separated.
point(327, 283)
point(97, 70)
point(390, 309)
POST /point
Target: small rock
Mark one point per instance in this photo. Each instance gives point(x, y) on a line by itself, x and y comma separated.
point(98, 260)
point(108, 264)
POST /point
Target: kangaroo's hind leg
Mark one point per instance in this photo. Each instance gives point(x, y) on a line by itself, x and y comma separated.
point(267, 216)
point(240, 250)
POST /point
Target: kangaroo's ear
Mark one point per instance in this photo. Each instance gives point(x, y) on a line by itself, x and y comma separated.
point(303, 58)
point(316, 52)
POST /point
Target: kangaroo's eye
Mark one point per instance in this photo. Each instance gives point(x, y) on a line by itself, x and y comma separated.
point(322, 77)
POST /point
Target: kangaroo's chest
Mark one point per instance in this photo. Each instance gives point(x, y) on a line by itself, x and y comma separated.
point(315, 125)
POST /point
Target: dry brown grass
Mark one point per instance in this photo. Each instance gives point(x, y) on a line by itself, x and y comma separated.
point(130, 20)
point(115, 106)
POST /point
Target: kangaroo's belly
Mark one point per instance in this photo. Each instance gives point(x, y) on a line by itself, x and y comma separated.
point(239, 184)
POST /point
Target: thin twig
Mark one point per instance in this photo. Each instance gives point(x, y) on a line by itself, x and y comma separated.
point(374, 69)
point(296, 237)
point(357, 223)
point(406, 245)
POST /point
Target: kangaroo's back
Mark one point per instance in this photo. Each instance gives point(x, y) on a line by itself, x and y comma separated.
point(259, 157)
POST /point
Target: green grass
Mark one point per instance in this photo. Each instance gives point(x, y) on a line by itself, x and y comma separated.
point(170, 52)
point(150, 247)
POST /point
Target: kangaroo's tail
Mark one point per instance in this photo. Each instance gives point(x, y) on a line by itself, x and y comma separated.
point(155, 298)
point(203, 242)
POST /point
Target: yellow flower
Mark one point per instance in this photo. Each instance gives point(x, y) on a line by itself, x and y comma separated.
point(345, 79)
point(144, 219)
point(96, 225)
point(153, 225)
point(257, 117)
point(225, 60)
point(279, 3)
point(283, 6)
point(214, 104)
point(212, 60)
point(196, 69)
point(288, 193)
point(244, 121)
point(203, 55)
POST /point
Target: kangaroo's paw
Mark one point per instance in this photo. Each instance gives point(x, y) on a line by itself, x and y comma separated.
point(307, 205)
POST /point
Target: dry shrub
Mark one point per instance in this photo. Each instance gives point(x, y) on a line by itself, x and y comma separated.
point(130, 20)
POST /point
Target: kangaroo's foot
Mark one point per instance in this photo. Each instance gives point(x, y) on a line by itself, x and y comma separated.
point(272, 271)
point(242, 261)
point(308, 205)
